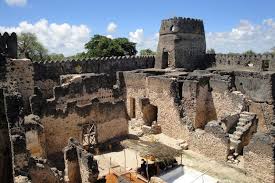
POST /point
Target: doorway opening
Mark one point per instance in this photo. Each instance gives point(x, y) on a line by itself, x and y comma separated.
point(150, 114)
point(165, 59)
point(265, 65)
point(132, 107)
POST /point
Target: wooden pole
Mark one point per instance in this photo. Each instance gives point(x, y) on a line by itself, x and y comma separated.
point(137, 160)
point(181, 158)
point(124, 159)
point(147, 173)
point(110, 165)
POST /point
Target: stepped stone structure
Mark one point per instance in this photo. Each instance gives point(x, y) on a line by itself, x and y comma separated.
point(55, 115)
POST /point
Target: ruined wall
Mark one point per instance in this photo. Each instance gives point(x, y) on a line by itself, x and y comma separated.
point(247, 62)
point(80, 165)
point(46, 74)
point(160, 92)
point(84, 88)
point(19, 76)
point(259, 155)
point(80, 100)
point(212, 142)
point(110, 119)
point(209, 97)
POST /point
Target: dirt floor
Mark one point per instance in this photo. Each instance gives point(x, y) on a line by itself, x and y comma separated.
point(130, 157)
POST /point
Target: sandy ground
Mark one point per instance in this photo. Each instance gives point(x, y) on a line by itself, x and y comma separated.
point(130, 158)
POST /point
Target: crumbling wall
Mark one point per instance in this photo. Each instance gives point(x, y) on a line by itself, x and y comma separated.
point(213, 141)
point(35, 136)
point(84, 88)
point(110, 119)
point(46, 74)
point(259, 157)
point(19, 76)
point(80, 166)
point(80, 100)
point(162, 93)
point(209, 97)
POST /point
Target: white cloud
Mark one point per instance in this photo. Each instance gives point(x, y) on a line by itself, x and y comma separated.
point(110, 36)
point(16, 2)
point(142, 41)
point(57, 38)
point(245, 36)
point(111, 28)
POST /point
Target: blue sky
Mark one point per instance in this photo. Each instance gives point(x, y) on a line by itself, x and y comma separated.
point(230, 25)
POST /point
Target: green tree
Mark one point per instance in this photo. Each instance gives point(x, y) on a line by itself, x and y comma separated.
point(78, 56)
point(249, 52)
point(55, 56)
point(145, 52)
point(211, 51)
point(30, 47)
point(101, 46)
point(273, 50)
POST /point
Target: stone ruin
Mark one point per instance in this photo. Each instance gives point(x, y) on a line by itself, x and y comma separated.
point(54, 115)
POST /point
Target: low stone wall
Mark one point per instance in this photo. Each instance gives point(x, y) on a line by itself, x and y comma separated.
point(212, 142)
point(259, 157)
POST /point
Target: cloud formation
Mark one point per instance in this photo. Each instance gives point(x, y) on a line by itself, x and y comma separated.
point(245, 36)
point(111, 28)
point(16, 2)
point(57, 38)
point(142, 41)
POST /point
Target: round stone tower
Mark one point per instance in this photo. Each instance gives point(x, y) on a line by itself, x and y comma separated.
point(181, 44)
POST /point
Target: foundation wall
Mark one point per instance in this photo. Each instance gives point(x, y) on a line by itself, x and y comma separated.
point(259, 158)
point(213, 145)
point(110, 119)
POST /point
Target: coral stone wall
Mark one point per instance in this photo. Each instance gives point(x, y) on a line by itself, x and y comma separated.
point(184, 41)
point(212, 142)
point(259, 157)
point(110, 119)
point(243, 62)
point(46, 74)
point(19, 76)
point(162, 93)
point(82, 99)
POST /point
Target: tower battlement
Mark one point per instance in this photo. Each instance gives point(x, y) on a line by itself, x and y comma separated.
point(8, 45)
point(181, 43)
point(181, 25)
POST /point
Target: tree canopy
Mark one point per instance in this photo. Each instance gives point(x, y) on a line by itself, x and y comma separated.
point(211, 51)
point(249, 52)
point(146, 52)
point(30, 47)
point(102, 46)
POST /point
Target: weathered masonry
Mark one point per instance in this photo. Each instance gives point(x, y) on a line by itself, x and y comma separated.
point(55, 115)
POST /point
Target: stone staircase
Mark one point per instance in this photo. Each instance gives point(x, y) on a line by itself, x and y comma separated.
point(246, 126)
